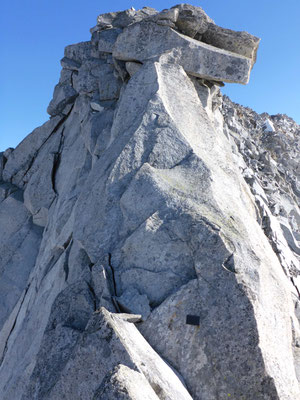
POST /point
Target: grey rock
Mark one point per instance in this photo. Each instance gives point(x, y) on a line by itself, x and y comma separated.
point(238, 42)
point(96, 106)
point(63, 95)
point(191, 20)
point(146, 40)
point(135, 303)
point(89, 74)
point(6, 189)
point(107, 38)
point(167, 17)
point(24, 154)
point(80, 52)
point(39, 192)
point(106, 342)
point(66, 76)
point(70, 64)
point(19, 245)
point(133, 318)
point(290, 239)
point(41, 217)
point(122, 19)
point(268, 126)
point(8, 152)
point(125, 384)
point(109, 85)
point(132, 67)
point(120, 69)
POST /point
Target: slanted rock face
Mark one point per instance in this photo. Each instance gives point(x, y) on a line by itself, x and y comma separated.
point(148, 193)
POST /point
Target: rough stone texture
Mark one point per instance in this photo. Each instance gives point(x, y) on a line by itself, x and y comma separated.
point(132, 301)
point(147, 40)
point(97, 346)
point(122, 19)
point(107, 38)
point(21, 158)
point(63, 95)
point(132, 67)
point(191, 20)
point(19, 245)
point(149, 182)
point(125, 384)
point(238, 42)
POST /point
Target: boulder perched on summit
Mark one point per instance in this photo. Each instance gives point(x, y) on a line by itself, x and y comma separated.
point(148, 41)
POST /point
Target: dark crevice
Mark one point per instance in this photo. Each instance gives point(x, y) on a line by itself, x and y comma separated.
point(296, 287)
point(113, 279)
point(228, 264)
point(91, 264)
point(55, 256)
point(4, 161)
point(113, 274)
point(93, 295)
point(13, 326)
point(183, 160)
point(29, 166)
point(56, 162)
point(67, 246)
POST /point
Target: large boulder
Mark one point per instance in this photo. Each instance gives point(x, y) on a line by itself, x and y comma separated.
point(147, 40)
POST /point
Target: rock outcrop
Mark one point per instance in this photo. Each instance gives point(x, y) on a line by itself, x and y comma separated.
point(149, 193)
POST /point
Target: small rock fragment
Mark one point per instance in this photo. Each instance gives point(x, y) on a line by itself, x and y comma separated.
point(135, 303)
point(96, 106)
point(132, 67)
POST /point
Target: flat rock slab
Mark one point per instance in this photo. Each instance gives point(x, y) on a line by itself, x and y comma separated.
point(238, 42)
point(146, 40)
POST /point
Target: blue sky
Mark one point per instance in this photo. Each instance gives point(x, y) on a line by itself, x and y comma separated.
point(34, 33)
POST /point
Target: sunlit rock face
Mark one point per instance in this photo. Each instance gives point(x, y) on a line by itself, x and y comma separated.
point(150, 229)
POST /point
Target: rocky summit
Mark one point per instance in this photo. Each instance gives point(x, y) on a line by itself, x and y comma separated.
point(150, 229)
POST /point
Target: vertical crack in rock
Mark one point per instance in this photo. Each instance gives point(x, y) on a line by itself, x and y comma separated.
point(112, 274)
point(67, 246)
point(295, 286)
point(56, 161)
point(114, 284)
point(93, 294)
point(13, 326)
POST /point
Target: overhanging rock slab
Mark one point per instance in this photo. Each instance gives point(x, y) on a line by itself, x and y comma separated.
point(146, 40)
point(238, 42)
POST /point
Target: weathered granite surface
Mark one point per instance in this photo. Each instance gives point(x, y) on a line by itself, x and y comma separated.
point(149, 193)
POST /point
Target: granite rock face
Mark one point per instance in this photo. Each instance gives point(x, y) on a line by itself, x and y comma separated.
point(150, 229)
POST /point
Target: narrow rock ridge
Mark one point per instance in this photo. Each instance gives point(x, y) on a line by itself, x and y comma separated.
point(151, 227)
